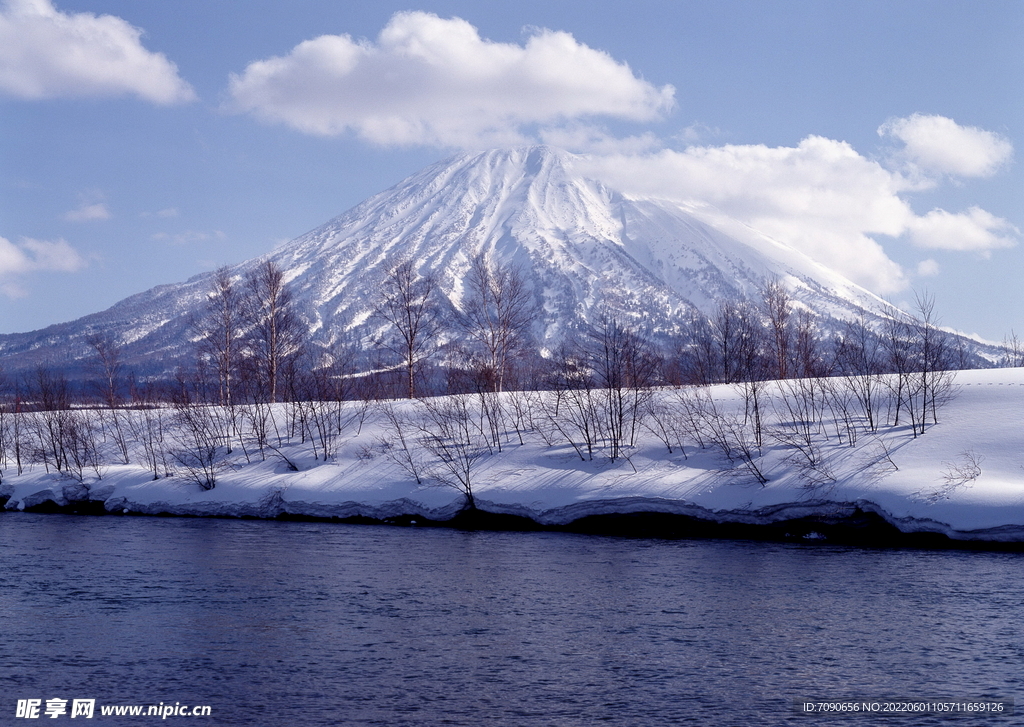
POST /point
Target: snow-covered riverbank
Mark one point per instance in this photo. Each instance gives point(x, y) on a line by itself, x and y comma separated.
point(964, 478)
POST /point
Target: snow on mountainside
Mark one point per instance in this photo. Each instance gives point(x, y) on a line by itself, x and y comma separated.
point(583, 245)
point(584, 248)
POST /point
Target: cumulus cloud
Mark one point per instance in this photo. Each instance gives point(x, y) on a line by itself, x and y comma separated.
point(938, 145)
point(975, 230)
point(430, 80)
point(45, 53)
point(88, 212)
point(821, 197)
point(31, 256)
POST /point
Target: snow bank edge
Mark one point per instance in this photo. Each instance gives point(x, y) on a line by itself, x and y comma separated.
point(811, 520)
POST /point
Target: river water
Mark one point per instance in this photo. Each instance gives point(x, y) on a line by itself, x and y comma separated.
point(278, 623)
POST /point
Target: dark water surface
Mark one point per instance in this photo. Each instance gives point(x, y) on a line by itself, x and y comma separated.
point(277, 623)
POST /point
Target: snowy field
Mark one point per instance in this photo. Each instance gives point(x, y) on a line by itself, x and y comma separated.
point(963, 477)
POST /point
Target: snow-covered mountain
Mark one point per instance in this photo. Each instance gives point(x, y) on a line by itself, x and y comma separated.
point(584, 248)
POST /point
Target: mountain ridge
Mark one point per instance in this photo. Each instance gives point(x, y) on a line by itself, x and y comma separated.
point(584, 248)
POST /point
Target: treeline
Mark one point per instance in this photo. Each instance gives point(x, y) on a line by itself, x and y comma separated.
point(254, 341)
point(265, 382)
point(251, 340)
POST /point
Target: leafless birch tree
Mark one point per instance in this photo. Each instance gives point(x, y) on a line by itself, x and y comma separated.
point(495, 316)
point(407, 307)
point(275, 332)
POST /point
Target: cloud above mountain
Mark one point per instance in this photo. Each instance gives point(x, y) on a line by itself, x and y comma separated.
point(432, 81)
point(938, 145)
point(31, 256)
point(974, 230)
point(821, 196)
point(435, 81)
point(45, 53)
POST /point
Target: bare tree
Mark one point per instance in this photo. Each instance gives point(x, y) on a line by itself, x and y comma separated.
point(82, 445)
point(809, 358)
point(799, 413)
point(148, 425)
point(496, 315)
point(705, 363)
point(778, 309)
point(693, 404)
point(398, 444)
point(842, 395)
point(448, 432)
point(1014, 351)
point(964, 353)
point(860, 356)
point(19, 431)
point(898, 343)
point(752, 351)
point(52, 396)
point(65, 438)
point(275, 333)
point(936, 376)
point(742, 445)
point(729, 433)
point(624, 367)
point(6, 425)
point(220, 332)
point(319, 401)
point(966, 469)
point(407, 306)
point(573, 407)
point(724, 324)
point(522, 406)
point(665, 422)
point(109, 368)
point(197, 442)
point(491, 408)
point(696, 352)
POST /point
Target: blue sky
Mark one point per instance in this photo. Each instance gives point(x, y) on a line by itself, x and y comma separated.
point(881, 138)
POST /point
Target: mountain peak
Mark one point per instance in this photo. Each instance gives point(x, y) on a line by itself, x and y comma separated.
point(583, 249)
point(533, 158)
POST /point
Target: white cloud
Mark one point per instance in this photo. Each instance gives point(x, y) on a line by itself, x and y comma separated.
point(589, 138)
point(939, 145)
point(698, 132)
point(45, 53)
point(975, 230)
point(430, 80)
point(44, 255)
point(32, 256)
point(821, 196)
point(86, 212)
point(927, 268)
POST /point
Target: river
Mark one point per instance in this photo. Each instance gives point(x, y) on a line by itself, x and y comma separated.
point(285, 623)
